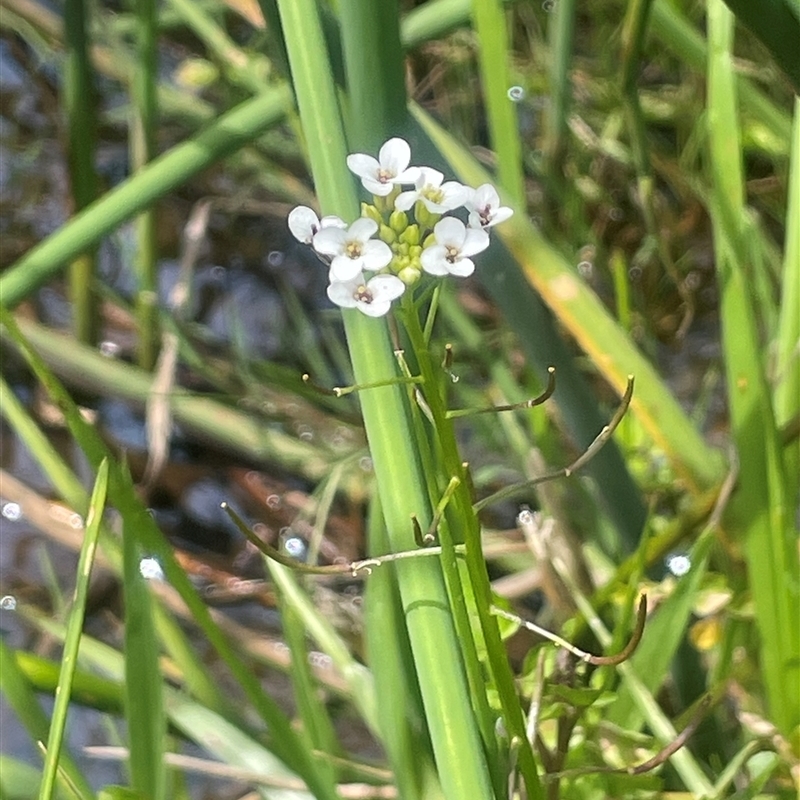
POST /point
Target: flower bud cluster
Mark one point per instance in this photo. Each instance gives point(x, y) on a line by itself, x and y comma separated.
point(402, 233)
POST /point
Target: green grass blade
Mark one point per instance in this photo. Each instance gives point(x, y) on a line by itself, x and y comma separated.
point(79, 103)
point(144, 708)
point(459, 757)
point(759, 511)
point(490, 25)
point(73, 636)
point(399, 712)
point(787, 390)
point(143, 131)
point(679, 36)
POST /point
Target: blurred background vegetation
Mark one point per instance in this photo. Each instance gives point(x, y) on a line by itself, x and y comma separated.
point(149, 155)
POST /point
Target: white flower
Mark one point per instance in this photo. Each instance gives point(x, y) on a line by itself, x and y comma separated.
point(484, 207)
point(372, 297)
point(391, 168)
point(454, 244)
point(352, 250)
point(304, 223)
point(438, 197)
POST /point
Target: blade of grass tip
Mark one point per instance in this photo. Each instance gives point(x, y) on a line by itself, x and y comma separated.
point(144, 125)
point(20, 696)
point(79, 99)
point(123, 495)
point(759, 511)
point(490, 24)
point(222, 137)
point(73, 635)
point(144, 706)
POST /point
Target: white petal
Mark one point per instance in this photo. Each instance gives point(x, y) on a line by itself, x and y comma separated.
point(341, 292)
point(485, 195)
point(375, 255)
point(386, 287)
point(330, 241)
point(474, 220)
point(409, 175)
point(332, 221)
point(344, 268)
point(500, 214)
point(362, 229)
point(455, 194)
point(433, 260)
point(363, 165)
point(377, 308)
point(429, 177)
point(450, 231)
point(462, 268)
point(405, 200)
point(303, 223)
point(475, 241)
point(395, 155)
point(376, 187)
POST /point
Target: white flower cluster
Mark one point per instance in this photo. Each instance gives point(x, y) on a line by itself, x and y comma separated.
point(404, 249)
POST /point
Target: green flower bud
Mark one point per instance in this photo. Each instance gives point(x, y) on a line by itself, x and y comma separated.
point(410, 235)
point(370, 211)
point(387, 234)
point(398, 221)
point(409, 275)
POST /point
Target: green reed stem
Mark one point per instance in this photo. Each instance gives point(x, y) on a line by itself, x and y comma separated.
point(759, 510)
point(79, 102)
point(493, 58)
point(143, 128)
point(402, 486)
point(561, 35)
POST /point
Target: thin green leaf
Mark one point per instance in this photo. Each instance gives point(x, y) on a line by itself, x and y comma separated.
point(74, 629)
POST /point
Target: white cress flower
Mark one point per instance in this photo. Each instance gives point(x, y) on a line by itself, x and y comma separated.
point(372, 297)
point(484, 207)
point(438, 197)
point(304, 223)
point(352, 249)
point(389, 170)
point(454, 244)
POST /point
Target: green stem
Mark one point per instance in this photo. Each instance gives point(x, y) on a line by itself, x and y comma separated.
point(79, 98)
point(143, 148)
